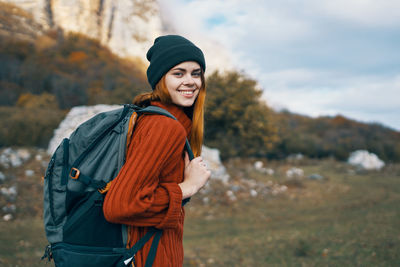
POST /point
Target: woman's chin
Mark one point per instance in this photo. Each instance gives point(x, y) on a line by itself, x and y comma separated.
point(184, 102)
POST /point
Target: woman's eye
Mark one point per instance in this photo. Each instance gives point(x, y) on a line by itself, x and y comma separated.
point(179, 74)
point(196, 74)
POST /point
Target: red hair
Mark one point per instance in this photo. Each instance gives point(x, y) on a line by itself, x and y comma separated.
point(196, 111)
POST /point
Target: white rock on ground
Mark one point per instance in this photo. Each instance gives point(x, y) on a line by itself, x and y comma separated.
point(213, 161)
point(7, 217)
point(10, 192)
point(365, 160)
point(75, 117)
point(294, 173)
point(259, 166)
point(14, 158)
point(29, 173)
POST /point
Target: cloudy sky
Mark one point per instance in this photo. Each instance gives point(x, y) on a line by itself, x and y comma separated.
point(314, 57)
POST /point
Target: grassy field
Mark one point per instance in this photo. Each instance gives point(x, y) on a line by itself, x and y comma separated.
point(349, 218)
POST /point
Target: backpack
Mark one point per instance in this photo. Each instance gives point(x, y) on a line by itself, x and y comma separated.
point(75, 184)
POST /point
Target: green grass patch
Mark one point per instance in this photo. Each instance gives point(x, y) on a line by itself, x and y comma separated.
point(345, 220)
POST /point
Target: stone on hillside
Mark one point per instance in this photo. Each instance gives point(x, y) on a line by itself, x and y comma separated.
point(9, 193)
point(253, 193)
point(38, 157)
point(278, 189)
point(269, 171)
point(259, 166)
point(7, 217)
point(29, 173)
point(13, 158)
point(294, 173)
point(213, 161)
point(23, 154)
point(365, 160)
point(75, 117)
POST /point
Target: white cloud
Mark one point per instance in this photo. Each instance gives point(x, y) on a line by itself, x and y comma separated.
point(365, 12)
point(314, 57)
point(363, 98)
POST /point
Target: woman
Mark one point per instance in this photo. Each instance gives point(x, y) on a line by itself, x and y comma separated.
point(157, 174)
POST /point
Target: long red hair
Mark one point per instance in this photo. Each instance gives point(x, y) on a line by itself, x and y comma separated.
point(196, 111)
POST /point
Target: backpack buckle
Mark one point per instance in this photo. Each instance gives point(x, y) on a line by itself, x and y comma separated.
point(74, 173)
point(105, 189)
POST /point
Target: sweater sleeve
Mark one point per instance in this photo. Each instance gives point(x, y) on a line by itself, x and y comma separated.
point(136, 196)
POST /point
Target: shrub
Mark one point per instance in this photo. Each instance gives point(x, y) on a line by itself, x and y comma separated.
point(28, 126)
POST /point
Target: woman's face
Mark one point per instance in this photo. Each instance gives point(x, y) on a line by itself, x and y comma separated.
point(183, 83)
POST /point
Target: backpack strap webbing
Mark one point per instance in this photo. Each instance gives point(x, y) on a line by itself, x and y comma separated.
point(153, 249)
point(152, 231)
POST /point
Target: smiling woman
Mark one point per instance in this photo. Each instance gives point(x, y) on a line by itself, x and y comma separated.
point(158, 176)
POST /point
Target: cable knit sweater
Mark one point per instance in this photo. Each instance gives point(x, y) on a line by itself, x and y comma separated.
point(146, 191)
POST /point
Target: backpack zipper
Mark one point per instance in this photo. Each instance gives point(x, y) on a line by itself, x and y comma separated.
point(50, 186)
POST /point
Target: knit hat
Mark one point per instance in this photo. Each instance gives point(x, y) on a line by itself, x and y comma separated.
point(167, 52)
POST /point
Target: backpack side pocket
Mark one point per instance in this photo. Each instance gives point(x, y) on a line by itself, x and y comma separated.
point(54, 194)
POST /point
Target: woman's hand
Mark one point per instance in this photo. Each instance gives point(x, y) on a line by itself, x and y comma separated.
point(195, 177)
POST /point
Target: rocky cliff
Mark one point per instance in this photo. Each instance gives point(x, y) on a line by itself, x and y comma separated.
point(127, 27)
point(18, 23)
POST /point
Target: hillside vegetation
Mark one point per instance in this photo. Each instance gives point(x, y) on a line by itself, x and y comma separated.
point(41, 80)
point(240, 124)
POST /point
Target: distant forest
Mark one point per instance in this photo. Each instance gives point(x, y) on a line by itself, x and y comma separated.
point(41, 80)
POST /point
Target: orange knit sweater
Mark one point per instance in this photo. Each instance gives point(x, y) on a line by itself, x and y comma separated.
point(146, 191)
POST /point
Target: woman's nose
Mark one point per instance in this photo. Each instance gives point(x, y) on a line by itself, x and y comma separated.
point(188, 79)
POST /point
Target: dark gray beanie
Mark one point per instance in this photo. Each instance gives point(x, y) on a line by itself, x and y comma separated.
point(167, 52)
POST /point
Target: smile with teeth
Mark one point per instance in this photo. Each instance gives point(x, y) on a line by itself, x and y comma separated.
point(186, 92)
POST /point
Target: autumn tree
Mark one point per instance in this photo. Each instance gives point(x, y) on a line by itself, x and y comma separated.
point(237, 122)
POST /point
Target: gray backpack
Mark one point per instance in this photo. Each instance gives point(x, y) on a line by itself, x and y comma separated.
point(74, 186)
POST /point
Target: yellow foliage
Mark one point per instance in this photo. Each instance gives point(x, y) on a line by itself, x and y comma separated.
point(77, 56)
point(45, 100)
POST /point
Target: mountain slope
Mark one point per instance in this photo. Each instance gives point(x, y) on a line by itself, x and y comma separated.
point(126, 27)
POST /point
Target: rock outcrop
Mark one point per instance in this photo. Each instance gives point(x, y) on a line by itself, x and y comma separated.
point(127, 27)
point(365, 160)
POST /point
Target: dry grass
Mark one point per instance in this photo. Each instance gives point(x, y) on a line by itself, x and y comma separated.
point(346, 219)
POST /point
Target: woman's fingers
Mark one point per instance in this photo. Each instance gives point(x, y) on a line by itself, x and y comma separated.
point(200, 162)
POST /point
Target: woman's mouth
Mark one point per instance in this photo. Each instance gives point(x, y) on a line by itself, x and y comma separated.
point(187, 93)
